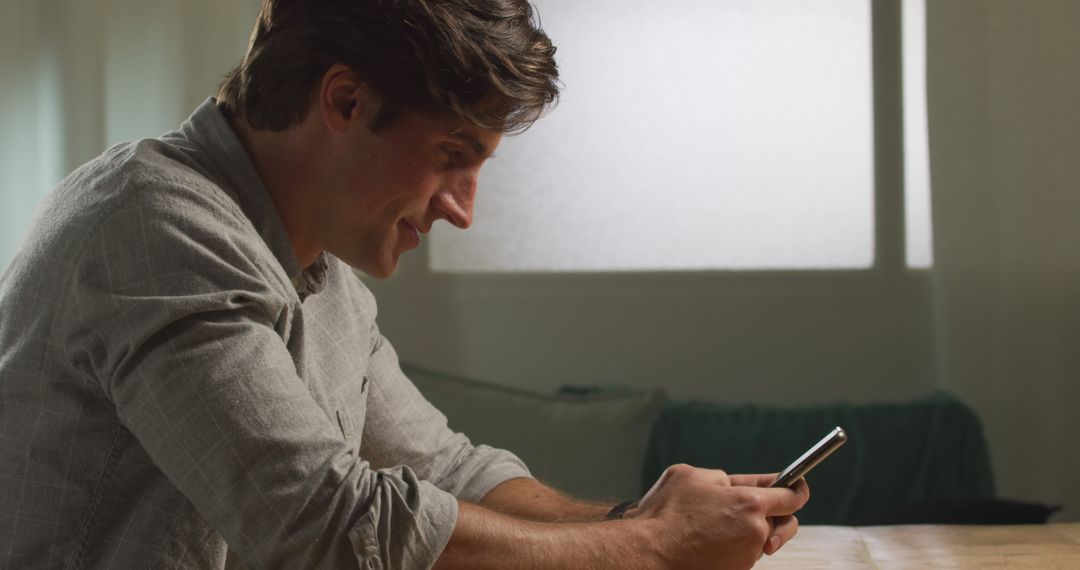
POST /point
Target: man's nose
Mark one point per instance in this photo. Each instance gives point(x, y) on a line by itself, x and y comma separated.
point(456, 202)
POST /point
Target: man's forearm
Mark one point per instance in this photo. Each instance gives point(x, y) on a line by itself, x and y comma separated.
point(530, 499)
point(486, 539)
point(691, 518)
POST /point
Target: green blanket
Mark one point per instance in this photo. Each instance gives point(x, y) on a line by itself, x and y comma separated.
point(896, 453)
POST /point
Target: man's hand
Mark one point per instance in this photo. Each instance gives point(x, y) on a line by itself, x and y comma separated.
point(691, 518)
point(707, 519)
point(784, 527)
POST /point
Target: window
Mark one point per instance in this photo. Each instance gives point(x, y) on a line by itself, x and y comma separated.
point(706, 135)
point(916, 137)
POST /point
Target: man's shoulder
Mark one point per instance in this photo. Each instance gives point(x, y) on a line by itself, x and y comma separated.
point(139, 200)
point(157, 176)
point(140, 184)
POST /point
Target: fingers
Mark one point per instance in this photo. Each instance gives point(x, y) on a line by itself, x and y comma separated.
point(686, 472)
point(784, 529)
point(781, 501)
point(715, 476)
point(765, 480)
point(802, 489)
point(755, 480)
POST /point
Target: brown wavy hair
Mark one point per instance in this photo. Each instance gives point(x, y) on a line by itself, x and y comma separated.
point(485, 61)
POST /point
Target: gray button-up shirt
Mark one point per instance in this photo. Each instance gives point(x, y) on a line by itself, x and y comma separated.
point(176, 393)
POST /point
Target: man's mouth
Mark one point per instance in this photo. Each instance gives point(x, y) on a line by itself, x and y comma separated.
point(410, 233)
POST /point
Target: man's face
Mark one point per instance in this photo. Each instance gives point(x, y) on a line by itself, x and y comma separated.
point(384, 189)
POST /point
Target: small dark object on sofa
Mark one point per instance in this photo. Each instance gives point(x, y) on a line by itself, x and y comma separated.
point(963, 510)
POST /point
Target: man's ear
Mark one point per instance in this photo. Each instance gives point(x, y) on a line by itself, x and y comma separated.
point(344, 99)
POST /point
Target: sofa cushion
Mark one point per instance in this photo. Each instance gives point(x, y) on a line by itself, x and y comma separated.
point(590, 446)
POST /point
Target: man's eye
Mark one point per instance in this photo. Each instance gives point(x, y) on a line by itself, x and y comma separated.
point(454, 157)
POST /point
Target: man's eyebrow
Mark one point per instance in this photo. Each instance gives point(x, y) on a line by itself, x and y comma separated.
point(472, 142)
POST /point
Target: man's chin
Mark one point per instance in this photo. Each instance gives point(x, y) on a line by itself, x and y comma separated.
point(378, 270)
point(371, 263)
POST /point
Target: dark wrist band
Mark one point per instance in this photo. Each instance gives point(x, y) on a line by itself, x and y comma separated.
point(620, 509)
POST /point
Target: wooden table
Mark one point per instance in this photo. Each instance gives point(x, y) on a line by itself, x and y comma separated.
point(1048, 546)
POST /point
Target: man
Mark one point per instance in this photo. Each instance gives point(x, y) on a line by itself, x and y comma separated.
point(191, 377)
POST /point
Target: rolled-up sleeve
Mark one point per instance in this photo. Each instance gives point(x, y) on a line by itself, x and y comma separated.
point(403, 428)
point(187, 337)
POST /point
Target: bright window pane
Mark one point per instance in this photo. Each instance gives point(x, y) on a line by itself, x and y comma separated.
point(916, 137)
point(704, 134)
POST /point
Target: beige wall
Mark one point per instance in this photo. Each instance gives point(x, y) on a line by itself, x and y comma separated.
point(780, 338)
point(1005, 161)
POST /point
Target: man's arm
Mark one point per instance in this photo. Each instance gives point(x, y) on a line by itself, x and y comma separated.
point(692, 518)
point(403, 428)
point(202, 380)
point(486, 539)
point(530, 499)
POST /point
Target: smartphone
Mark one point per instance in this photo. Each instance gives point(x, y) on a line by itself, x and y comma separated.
point(811, 458)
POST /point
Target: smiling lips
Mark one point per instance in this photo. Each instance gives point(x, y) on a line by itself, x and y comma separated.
point(410, 234)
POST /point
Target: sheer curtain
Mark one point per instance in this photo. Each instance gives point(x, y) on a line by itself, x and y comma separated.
point(1005, 156)
point(80, 75)
point(29, 153)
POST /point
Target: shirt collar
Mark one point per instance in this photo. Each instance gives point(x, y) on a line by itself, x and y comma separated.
point(221, 151)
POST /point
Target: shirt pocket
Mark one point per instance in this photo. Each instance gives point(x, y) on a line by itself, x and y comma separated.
point(352, 410)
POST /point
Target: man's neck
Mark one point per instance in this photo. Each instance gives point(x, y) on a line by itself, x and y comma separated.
point(279, 159)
